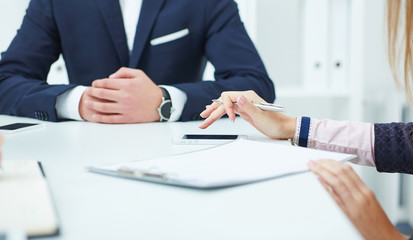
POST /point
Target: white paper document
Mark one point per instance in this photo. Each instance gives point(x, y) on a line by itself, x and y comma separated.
point(239, 162)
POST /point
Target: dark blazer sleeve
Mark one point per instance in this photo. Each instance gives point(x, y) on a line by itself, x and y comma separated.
point(26, 64)
point(238, 66)
point(393, 147)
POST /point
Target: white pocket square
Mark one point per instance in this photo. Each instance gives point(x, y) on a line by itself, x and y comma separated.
point(170, 37)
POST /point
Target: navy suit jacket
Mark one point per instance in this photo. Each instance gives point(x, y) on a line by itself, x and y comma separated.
point(91, 37)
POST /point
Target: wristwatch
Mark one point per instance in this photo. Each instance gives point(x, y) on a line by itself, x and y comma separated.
point(165, 109)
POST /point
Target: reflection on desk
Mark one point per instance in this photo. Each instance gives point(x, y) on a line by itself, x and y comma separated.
point(92, 206)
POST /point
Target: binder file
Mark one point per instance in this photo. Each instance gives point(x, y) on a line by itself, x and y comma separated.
point(315, 44)
point(339, 44)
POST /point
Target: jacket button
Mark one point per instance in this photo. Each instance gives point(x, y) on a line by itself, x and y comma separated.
point(41, 115)
point(45, 116)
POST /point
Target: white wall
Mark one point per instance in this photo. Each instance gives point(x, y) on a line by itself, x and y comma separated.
point(279, 40)
point(11, 16)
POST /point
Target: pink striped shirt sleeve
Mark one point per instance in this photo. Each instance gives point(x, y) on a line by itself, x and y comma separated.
point(344, 136)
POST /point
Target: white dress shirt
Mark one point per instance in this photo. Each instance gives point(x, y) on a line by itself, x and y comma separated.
point(67, 104)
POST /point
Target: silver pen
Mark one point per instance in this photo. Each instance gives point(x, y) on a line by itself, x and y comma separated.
point(263, 106)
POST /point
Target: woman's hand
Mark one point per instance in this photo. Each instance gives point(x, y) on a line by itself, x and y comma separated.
point(356, 200)
point(273, 124)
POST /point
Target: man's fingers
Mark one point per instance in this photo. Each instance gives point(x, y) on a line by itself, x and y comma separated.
point(103, 107)
point(103, 93)
point(108, 118)
point(126, 73)
point(112, 83)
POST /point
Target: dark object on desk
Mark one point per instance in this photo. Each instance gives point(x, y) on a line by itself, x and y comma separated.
point(19, 127)
point(206, 139)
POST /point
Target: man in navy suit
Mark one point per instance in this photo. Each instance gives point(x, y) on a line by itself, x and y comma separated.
point(128, 61)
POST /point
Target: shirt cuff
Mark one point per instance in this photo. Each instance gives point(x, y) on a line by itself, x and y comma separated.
point(67, 103)
point(178, 98)
point(302, 131)
point(344, 136)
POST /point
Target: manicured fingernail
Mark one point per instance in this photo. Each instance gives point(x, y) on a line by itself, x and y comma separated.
point(241, 100)
point(311, 163)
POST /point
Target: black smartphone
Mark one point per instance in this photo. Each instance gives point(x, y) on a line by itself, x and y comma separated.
point(206, 139)
point(19, 127)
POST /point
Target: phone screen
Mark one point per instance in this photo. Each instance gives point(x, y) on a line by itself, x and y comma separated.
point(209, 137)
point(16, 126)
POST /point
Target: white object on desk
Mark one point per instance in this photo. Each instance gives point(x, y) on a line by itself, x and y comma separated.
point(25, 202)
point(240, 162)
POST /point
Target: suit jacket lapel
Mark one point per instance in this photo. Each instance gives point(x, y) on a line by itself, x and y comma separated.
point(149, 12)
point(112, 15)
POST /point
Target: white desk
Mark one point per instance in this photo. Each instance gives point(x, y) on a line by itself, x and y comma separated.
point(93, 206)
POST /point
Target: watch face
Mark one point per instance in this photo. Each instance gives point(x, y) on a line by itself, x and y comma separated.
point(166, 109)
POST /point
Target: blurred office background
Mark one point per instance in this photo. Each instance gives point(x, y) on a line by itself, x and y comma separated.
point(327, 59)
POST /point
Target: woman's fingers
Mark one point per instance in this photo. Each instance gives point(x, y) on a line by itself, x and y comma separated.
point(334, 175)
point(215, 115)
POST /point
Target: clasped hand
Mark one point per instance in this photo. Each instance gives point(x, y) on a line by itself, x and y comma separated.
point(127, 96)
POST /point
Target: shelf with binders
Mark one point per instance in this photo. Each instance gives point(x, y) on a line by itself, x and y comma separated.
point(310, 51)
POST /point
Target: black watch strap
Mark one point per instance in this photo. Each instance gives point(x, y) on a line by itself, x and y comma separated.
point(165, 94)
point(165, 109)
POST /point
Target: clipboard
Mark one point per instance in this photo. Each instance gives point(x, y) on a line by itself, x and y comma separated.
point(236, 163)
point(25, 202)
